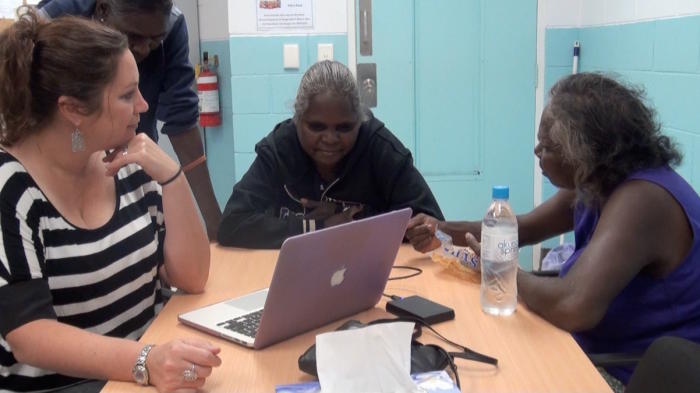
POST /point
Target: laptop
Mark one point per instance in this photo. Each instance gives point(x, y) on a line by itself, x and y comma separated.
point(320, 277)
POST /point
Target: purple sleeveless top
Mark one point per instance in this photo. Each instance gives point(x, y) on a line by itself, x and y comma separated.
point(647, 307)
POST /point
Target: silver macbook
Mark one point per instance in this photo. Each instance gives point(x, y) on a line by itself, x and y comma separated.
point(320, 277)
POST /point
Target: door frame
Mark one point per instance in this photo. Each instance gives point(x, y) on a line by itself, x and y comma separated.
point(352, 39)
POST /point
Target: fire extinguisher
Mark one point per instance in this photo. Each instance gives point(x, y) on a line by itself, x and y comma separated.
point(208, 92)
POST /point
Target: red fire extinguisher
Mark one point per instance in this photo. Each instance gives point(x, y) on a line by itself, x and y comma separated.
point(208, 92)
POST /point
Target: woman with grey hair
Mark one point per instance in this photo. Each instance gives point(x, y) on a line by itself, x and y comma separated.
point(635, 271)
point(331, 163)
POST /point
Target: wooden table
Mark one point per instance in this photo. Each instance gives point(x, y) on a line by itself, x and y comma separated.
point(534, 356)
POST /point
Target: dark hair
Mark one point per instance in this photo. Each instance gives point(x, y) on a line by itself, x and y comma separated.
point(131, 6)
point(605, 131)
point(43, 60)
point(327, 76)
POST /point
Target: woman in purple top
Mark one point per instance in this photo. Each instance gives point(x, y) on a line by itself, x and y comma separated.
point(635, 274)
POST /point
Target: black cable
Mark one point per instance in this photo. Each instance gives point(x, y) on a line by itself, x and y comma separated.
point(416, 271)
point(466, 353)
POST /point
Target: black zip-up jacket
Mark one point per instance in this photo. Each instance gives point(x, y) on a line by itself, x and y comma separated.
point(264, 207)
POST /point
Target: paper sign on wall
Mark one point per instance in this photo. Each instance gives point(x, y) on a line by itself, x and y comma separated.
point(284, 14)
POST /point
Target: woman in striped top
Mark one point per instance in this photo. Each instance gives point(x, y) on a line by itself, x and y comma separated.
point(83, 207)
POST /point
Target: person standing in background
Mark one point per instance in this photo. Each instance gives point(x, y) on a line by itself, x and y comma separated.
point(158, 39)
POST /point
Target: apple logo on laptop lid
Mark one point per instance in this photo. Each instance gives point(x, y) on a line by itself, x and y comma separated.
point(338, 277)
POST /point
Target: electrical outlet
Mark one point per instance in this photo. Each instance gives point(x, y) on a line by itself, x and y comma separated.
point(291, 56)
point(325, 52)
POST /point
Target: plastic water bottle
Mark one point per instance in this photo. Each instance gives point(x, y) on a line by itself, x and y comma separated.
point(499, 256)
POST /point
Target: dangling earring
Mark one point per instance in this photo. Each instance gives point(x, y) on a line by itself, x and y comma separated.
point(102, 20)
point(77, 141)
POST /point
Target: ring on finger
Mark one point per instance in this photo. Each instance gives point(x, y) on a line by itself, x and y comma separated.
point(190, 374)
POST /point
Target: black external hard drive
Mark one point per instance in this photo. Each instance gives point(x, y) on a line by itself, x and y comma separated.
point(416, 306)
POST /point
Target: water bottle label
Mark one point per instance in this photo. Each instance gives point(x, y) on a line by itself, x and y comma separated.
point(499, 246)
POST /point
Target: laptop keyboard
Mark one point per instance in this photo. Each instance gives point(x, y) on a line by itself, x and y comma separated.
point(245, 324)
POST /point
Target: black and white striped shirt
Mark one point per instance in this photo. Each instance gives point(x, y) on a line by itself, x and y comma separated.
point(103, 280)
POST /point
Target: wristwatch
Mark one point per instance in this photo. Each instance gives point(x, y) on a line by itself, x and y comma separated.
point(139, 372)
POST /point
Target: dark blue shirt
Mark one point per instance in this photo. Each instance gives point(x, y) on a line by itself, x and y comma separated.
point(166, 75)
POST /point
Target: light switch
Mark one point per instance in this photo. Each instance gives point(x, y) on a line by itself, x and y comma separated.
point(325, 52)
point(291, 55)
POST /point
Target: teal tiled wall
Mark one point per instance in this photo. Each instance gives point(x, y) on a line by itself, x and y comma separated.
point(263, 91)
point(663, 56)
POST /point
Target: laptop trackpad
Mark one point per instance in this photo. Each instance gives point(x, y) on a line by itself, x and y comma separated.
point(251, 302)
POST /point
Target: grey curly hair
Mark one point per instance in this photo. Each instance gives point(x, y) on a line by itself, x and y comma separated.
point(327, 76)
point(606, 131)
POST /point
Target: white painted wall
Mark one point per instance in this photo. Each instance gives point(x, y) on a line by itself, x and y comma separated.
point(8, 7)
point(598, 12)
point(568, 13)
point(189, 9)
point(213, 20)
point(330, 17)
point(220, 19)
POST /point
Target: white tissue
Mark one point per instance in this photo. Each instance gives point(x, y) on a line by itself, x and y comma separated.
point(374, 359)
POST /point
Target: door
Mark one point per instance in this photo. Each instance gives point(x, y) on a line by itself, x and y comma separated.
point(455, 81)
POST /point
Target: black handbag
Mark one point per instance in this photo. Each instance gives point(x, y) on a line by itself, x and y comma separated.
point(424, 357)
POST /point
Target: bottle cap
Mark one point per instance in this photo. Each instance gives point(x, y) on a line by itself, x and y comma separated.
point(500, 192)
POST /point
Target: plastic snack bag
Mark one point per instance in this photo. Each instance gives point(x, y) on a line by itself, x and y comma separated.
point(462, 261)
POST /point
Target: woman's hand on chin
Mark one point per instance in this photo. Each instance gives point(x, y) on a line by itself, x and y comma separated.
point(143, 151)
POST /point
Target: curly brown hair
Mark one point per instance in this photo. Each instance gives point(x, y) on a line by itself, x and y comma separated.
point(606, 131)
point(42, 60)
